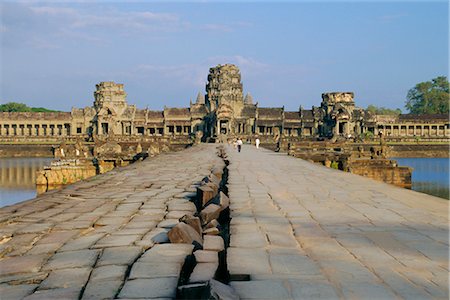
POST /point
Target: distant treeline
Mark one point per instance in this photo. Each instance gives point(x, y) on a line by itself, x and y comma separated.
point(383, 110)
point(20, 107)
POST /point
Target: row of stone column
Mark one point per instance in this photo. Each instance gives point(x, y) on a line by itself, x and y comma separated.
point(35, 129)
point(414, 130)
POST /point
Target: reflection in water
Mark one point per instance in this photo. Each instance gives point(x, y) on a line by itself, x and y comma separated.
point(430, 175)
point(18, 178)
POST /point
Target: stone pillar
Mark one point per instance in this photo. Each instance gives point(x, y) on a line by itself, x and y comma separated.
point(336, 128)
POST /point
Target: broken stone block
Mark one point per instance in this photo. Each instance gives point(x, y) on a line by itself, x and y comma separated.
point(215, 179)
point(214, 223)
point(182, 233)
point(192, 221)
point(210, 212)
point(214, 187)
point(203, 272)
point(214, 243)
point(223, 201)
point(211, 231)
point(204, 194)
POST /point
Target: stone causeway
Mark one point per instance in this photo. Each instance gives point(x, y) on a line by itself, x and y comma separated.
point(250, 225)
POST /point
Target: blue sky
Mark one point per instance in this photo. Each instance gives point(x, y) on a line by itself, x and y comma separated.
point(53, 53)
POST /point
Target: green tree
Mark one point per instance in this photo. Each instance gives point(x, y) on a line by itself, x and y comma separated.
point(430, 97)
point(14, 107)
point(383, 110)
point(20, 107)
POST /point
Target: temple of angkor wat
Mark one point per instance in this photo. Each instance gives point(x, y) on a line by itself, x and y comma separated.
point(222, 113)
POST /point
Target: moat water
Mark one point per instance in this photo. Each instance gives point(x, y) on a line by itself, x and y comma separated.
point(430, 175)
point(18, 177)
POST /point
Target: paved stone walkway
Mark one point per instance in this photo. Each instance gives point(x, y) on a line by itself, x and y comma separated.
point(96, 239)
point(303, 231)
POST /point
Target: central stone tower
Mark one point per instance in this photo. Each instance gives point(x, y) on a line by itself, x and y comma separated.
point(225, 104)
point(224, 86)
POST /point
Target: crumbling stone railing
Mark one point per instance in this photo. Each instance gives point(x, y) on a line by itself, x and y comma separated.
point(205, 272)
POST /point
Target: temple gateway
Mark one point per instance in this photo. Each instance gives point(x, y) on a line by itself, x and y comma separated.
point(222, 113)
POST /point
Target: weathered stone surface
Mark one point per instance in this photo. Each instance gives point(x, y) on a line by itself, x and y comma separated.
point(55, 294)
point(149, 288)
point(22, 264)
point(168, 223)
point(108, 272)
point(117, 240)
point(263, 289)
point(203, 271)
point(66, 278)
point(16, 291)
point(210, 212)
point(248, 261)
point(119, 255)
point(157, 236)
point(218, 290)
point(155, 270)
point(102, 289)
point(214, 243)
point(206, 256)
point(183, 233)
point(167, 253)
point(72, 259)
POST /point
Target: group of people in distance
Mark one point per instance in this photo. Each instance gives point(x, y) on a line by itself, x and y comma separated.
point(238, 143)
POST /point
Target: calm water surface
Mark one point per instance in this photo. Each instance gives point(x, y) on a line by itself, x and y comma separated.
point(18, 178)
point(430, 175)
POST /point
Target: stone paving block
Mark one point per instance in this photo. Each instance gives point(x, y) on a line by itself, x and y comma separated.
point(150, 288)
point(177, 214)
point(167, 253)
point(359, 290)
point(155, 270)
point(22, 264)
point(168, 223)
point(83, 242)
point(265, 289)
point(214, 243)
point(292, 262)
point(157, 236)
point(117, 240)
point(66, 278)
point(44, 249)
point(24, 278)
point(16, 291)
point(312, 289)
point(37, 227)
point(55, 294)
point(248, 240)
point(96, 290)
point(203, 271)
point(58, 237)
point(108, 272)
point(72, 259)
point(248, 261)
point(206, 256)
point(119, 255)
